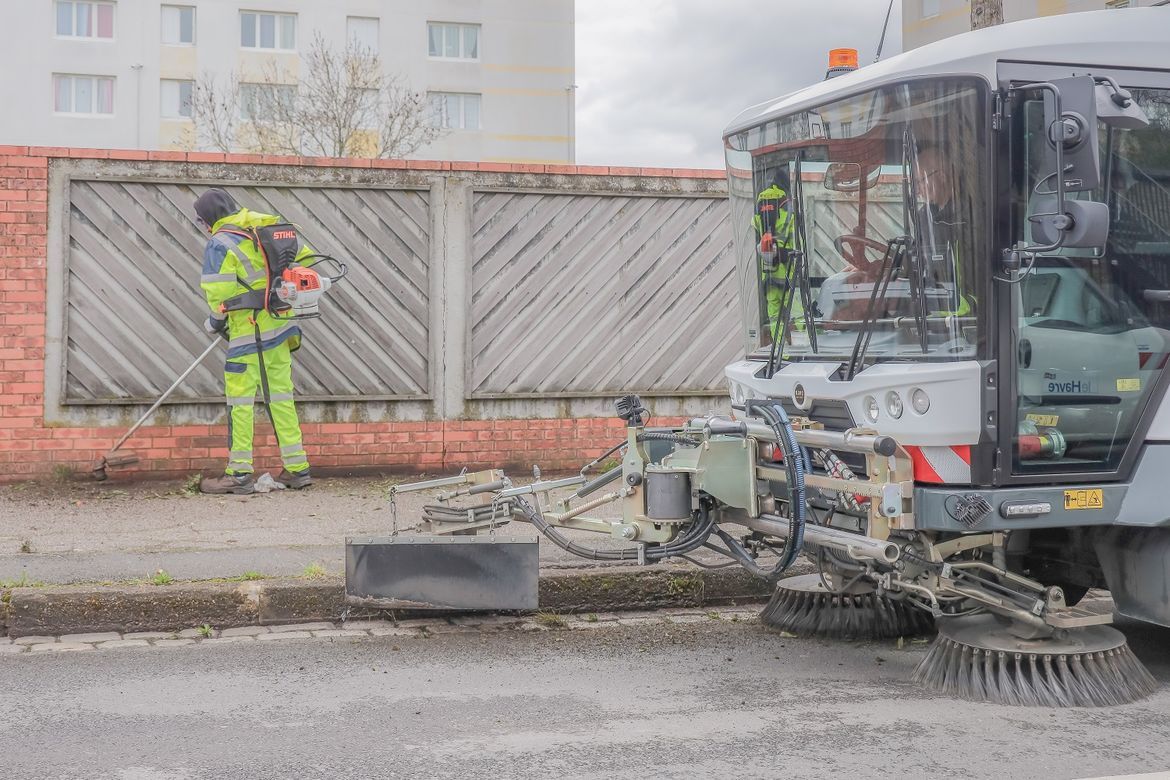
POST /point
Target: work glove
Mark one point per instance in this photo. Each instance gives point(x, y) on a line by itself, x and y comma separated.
point(216, 327)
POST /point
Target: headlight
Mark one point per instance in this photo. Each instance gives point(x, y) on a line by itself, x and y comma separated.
point(894, 404)
point(869, 405)
point(919, 400)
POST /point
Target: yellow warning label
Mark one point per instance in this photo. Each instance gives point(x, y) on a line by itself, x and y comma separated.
point(1129, 385)
point(1084, 499)
point(1047, 420)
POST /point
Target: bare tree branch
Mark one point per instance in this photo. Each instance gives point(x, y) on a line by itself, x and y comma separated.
point(343, 105)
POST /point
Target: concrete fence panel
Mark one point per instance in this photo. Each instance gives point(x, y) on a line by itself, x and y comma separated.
point(594, 294)
point(133, 306)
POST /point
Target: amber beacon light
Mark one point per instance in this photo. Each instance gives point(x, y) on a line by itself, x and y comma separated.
point(841, 61)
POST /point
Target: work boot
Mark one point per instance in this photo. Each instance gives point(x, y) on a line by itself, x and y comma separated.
point(295, 479)
point(240, 484)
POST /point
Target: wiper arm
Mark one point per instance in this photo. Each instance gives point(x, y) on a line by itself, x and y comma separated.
point(917, 271)
point(895, 251)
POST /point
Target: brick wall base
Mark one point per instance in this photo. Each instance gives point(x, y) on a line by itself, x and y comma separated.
point(407, 447)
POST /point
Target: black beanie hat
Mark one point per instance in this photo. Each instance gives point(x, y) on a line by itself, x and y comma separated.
point(214, 205)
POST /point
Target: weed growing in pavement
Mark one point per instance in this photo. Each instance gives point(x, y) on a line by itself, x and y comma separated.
point(251, 575)
point(714, 615)
point(191, 485)
point(204, 631)
point(161, 578)
point(314, 571)
point(26, 546)
point(591, 617)
point(551, 620)
point(62, 472)
point(23, 582)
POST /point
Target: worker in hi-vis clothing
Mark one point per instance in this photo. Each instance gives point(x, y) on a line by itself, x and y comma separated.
point(260, 344)
point(775, 238)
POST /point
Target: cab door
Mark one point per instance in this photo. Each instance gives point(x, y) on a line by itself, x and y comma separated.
point(1084, 335)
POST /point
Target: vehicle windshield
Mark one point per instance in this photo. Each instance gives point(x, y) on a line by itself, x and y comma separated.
point(860, 225)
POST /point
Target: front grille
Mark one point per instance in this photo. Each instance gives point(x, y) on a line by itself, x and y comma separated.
point(832, 413)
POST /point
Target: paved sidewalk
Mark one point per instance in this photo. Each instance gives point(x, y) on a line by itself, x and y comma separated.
point(82, 532)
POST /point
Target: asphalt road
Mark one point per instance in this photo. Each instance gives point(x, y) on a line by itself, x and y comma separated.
point(710, 699)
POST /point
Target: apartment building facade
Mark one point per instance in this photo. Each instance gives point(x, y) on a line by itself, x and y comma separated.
point(926, 21)
point(498, 74)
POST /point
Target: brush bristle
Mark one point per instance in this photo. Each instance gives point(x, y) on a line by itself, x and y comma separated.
point(861, 617)
point(1102, 678)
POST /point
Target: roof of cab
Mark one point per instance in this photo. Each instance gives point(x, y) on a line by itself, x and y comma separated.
point(1129, 38)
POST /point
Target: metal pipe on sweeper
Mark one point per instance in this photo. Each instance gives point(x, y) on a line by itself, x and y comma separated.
point(856, 546)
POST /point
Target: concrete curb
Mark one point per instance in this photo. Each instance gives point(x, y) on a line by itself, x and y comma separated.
point(52, 611)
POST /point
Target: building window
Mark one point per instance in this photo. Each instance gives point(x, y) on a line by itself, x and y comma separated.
point(259, 102)
point(268, 31)
point(846, 129)
point(85, 20)
point(930, 8)
point(453, 110)
point(178, 25)
point(363, 32)
point(453, 41)
point(175, 98)
point(84, 95)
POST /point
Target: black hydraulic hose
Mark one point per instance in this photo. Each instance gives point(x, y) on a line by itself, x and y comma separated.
point(795, 468)
point(691, 540)
point(598, 482)
point(685, 441)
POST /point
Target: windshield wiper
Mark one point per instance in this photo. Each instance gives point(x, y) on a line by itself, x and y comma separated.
point(798, 278)
point(917, 271)
point(895, 253)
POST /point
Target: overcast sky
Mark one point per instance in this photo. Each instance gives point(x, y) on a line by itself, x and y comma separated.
point(658, 80)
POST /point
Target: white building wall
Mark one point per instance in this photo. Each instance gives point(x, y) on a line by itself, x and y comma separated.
point(524, 72)
point(926, 21)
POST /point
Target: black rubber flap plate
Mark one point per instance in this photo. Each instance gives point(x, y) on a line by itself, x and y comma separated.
point(486, 572)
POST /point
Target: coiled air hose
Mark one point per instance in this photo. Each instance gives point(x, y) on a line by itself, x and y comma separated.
point(692, 539)
point(795, 467)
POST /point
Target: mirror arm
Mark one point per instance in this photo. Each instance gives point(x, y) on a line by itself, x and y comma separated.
point(1012, 257)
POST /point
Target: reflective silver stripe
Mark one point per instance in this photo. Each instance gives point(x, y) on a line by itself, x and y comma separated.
point(276, 397)
point(265, 335)
point(240, 455)
point(947, 464)
point(290, 449)
point(295, 460)
point(214, 278)
point(236, 465)
point(241, 400)
point(251, 274)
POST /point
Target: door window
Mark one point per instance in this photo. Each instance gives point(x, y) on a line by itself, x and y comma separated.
point(1090, 326)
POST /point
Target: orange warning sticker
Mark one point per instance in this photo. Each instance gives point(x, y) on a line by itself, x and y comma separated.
point(1093, 498)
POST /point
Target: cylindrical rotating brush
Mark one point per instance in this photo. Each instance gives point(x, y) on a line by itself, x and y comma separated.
point(803, 606)
point(977, 659)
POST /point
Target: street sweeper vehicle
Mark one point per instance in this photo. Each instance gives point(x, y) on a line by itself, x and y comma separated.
point(952, 398)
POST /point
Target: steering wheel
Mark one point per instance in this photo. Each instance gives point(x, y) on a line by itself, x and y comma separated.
point(852, 247)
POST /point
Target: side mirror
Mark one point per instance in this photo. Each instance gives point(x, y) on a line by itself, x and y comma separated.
point(1116, 106)
point(1072, 135)
point(1083, 224)
point(1072, 164)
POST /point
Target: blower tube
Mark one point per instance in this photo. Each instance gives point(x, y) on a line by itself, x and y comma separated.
point(795, 467)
